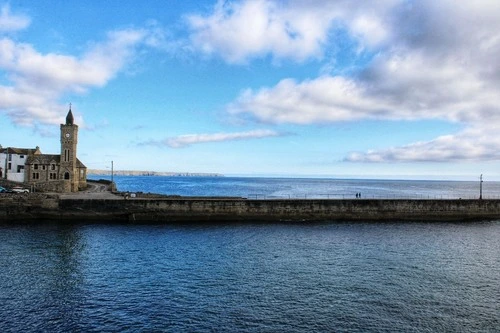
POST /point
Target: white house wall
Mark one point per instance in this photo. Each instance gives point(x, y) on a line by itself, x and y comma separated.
point(16, 164)
point(16, 177)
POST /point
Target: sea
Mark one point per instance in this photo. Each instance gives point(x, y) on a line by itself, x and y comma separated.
point(256, 277)
point(306, 188)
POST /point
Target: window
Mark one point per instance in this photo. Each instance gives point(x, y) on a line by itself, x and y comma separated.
point(66, 175)
point(36, 175)
point(53, 175)
point(21, 156)
point(10, 157)
point(35, 166)
point(53, 167)
point(9, 166)
point(43, 167)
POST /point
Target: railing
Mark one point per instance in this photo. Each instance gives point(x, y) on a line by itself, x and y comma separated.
point(260, 196)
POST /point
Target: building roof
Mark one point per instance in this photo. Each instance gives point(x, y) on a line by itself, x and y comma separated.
point(19, 151)
point(43, 159)
point(50, 158)
point(79, 164)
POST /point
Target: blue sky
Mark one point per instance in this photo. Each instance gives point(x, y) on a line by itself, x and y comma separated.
point(391, 89)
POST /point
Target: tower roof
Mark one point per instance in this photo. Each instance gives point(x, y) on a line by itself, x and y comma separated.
point(69, 117)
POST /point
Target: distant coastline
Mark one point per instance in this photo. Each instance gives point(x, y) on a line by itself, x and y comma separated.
point(98, 172)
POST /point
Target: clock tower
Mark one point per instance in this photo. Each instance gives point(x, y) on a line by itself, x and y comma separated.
point(68, 164)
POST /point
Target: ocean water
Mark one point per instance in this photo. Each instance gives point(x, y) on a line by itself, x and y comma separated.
point(254, 277)
point(308, 188)
point(323, 277)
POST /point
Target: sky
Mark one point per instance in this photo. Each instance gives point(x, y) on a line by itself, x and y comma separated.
point(314, 88)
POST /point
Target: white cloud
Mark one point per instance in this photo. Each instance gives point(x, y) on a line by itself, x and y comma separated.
point(305, 102)
point(432, 60)
point(405, 87)
point(9, 22)
point(239, 31)
point(33, 70)
point(36, 81)
point(472, 144)
point(191, 139)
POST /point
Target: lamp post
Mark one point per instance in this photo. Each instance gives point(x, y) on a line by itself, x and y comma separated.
point(481, 187)
point(6, 162)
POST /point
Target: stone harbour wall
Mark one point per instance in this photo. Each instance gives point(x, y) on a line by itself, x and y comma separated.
point(236, 209)
point(16, 207)
point(58, 186)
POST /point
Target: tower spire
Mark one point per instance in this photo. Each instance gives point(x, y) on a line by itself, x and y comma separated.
point(69, 117)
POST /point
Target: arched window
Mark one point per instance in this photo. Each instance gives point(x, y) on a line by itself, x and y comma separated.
point(66, 175)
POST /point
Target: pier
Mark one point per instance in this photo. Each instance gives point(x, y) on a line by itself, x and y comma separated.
point(214, 209)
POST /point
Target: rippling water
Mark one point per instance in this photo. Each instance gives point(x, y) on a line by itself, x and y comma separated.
point(322, 188)
point(322, 277)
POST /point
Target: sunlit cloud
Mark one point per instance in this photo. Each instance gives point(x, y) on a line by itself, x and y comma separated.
point(241, 30)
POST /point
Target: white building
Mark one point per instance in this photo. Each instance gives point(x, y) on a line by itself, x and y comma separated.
point(12, 162)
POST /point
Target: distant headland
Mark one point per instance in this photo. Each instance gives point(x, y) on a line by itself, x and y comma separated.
point(151, 173)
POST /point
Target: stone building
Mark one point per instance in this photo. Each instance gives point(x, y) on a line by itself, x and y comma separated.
point(62, 172)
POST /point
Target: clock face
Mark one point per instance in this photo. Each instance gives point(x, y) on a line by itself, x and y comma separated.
point(67, 135)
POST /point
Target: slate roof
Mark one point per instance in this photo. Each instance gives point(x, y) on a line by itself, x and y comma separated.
point(79, 164)
point(18, 151)
point(50, 158)
point(43, 159)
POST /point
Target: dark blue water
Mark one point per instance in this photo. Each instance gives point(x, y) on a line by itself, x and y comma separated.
point(329, 277)
point(305, 187)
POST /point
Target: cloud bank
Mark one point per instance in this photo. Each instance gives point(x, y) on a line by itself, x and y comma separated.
point(427, 60)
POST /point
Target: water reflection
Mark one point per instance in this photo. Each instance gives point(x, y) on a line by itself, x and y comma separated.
point(41, 270)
